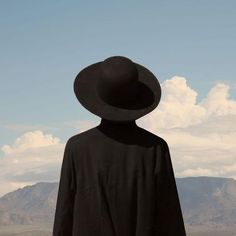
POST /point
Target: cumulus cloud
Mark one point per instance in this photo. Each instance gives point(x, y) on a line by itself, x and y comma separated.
point(201, 136)
point(179, 107)
point(33, 157)
point(31, 140)
point(217, 102)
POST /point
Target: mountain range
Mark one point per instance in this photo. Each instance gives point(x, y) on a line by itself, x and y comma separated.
point(206, 202)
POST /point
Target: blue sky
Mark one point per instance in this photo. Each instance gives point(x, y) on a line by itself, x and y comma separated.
point(44, 44)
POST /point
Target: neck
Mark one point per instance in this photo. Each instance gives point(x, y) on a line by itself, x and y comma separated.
point(117, 124)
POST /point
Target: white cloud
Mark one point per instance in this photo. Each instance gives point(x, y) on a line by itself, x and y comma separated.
point(217, 102)
point(198, 172)
point(33, 157)
point(178, 107)
point(201, 136)
point(31, 140)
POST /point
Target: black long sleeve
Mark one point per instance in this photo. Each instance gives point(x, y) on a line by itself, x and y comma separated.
point(169, 214)
point(63, 221)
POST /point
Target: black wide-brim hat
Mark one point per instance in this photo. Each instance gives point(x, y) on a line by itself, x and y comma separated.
point(117, 89)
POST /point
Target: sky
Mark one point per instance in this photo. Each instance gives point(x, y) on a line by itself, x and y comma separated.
point(189, 46)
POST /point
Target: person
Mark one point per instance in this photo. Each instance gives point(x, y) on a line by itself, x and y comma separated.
point(117, 178)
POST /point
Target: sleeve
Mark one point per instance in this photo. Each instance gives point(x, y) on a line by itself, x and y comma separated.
point(63, 220)
point(169, 220)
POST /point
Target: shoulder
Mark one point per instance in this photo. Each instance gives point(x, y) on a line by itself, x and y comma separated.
point(81, 138)
point(158, 141)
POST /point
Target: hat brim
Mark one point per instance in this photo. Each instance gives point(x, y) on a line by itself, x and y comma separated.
point(86, 93)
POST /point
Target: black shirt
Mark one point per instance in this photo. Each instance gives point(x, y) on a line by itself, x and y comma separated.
point(117, 179)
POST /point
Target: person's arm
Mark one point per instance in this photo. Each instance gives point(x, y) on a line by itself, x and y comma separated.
point(169, 221)
point(63, 220)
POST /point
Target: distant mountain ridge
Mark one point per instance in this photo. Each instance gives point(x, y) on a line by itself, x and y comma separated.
point(208, 201)
point(205, 201)
point(29, 205)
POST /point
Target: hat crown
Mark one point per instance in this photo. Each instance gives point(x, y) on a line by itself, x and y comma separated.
point(118, 83)
point(119, 71)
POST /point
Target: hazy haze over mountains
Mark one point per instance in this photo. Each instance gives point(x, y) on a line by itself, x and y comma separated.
point(207, 202)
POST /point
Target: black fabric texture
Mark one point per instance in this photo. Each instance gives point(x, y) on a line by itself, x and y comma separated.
point(117, 179)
